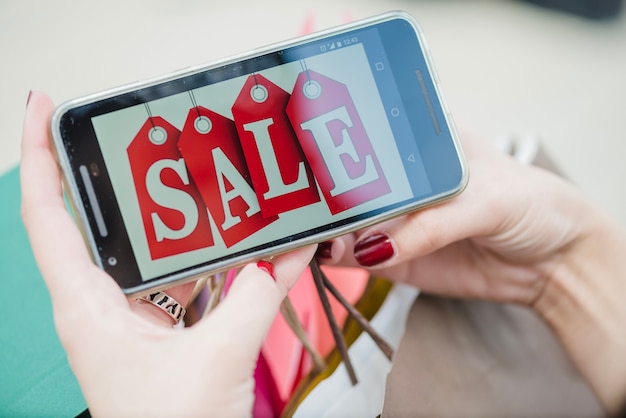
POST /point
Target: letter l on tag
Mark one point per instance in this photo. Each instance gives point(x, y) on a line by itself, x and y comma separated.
point(280, 175)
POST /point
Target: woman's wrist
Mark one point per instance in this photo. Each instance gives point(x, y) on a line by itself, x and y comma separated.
point(583, 301)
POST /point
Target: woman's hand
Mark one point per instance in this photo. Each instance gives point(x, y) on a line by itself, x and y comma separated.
point(128, 359)
point(500, 239)
point(516, 234)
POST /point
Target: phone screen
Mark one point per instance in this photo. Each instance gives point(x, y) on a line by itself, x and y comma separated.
point(259, 153)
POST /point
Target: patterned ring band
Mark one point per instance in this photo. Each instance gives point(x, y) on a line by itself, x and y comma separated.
point(166, 303)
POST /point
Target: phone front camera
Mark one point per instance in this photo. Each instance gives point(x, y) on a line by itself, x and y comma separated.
point(95, 170)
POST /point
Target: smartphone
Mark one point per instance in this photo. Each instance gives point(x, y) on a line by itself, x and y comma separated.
point(214, 166)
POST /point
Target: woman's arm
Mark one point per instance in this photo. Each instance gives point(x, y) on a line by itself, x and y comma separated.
point(584, 303)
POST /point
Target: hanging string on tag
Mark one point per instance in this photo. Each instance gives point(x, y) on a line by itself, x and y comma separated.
point(305, 70)
point(253, 92)
point(258, 92)
point(149, 114)
point(194, 103)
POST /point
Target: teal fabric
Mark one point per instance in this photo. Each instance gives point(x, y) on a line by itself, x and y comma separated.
point(35, 378)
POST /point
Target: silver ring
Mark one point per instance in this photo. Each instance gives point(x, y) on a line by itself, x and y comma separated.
point(166, 303)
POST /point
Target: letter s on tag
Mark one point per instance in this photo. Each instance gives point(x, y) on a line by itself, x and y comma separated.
point(169, 197)
point(173, 214)
point(335, 142)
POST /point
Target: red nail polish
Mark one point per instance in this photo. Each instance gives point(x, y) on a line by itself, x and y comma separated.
point(373, 250)
point(30, 93)
point(266, 266)
point(324, 250)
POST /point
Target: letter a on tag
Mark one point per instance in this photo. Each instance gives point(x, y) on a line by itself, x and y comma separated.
point(335, 142)
point(211, 148)
point(280, 175)
point(173, 214)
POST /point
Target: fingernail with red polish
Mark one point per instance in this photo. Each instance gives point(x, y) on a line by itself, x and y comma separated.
point(30, 93)
point(324, 250)
point(267, 267)
point(373, 250)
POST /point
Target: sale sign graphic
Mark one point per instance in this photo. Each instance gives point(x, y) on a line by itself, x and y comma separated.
point(250, 160)
point(173, 214)
point(281, 177)
point(211, 149)
point(268, 161)
point(335, 142)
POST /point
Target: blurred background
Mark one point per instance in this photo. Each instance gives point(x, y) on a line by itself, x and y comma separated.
point(507, 67)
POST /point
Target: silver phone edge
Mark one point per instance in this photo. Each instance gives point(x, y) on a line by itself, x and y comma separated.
point(72, 192)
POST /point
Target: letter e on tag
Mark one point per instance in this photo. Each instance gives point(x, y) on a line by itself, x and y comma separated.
point(173, 214)
point(335, 142)
point(210, 145)
point(280, 175)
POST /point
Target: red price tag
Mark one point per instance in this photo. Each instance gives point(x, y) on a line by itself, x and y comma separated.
point(173, 214)
point(210, 146)
point(280, 175)
point(335, 142)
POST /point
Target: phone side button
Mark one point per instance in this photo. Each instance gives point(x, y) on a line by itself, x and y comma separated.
point(93, 201)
